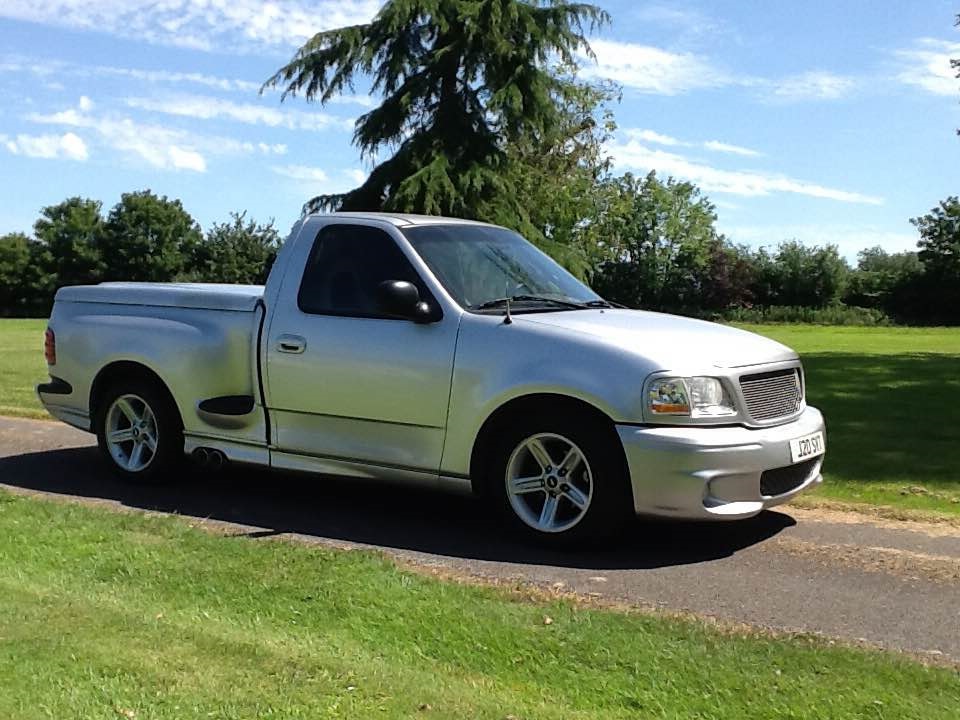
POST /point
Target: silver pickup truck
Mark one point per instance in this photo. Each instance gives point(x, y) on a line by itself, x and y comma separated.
point(446, 353)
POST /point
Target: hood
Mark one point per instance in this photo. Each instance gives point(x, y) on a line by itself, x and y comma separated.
point(671, 342)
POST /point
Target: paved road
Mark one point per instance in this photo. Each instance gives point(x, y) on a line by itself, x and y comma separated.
point(895, 585)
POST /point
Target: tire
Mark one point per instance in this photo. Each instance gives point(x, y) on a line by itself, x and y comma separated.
point(139, 431)
point(570, 506)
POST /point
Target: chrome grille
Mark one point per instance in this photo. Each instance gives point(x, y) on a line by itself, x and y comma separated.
point(772, 395)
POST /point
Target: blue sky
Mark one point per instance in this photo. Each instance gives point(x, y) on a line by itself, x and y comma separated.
point(821, 121)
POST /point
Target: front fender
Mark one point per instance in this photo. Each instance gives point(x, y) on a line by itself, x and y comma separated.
point(497, 362)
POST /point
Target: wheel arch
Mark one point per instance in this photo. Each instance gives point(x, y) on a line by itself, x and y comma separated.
point(126, 369)
point(526, 404)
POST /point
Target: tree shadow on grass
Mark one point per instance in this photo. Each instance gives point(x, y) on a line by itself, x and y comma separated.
point(393, 517)
point(889, 417)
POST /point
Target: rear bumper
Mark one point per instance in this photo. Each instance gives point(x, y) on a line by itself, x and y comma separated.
point(713, 473)
point(57, 399)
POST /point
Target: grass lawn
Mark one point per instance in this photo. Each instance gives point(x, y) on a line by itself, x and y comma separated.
point(21, 366)
point(121, 615)
point(891, 397)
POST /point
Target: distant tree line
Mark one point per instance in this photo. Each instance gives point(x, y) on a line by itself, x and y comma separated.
point(661, 251)
point(143, 238)
point(642, 241)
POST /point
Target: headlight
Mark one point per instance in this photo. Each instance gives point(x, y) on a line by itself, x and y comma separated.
point(692, 397)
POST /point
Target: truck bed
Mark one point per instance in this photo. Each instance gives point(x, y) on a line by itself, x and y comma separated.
point(198, 296)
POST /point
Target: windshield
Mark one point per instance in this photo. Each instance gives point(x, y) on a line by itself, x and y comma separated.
point(479, 265)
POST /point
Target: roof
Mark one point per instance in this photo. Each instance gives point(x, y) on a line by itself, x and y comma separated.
point(402, 219)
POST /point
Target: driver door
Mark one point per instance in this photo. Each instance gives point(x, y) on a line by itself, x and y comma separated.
point(346, 382)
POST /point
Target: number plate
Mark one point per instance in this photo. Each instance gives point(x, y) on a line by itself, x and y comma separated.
point(806, 447)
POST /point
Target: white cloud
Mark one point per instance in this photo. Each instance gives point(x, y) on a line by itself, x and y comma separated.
point(357, 176)
point(302, 172)
point(658, 71)
point(85, 104)
point(317, 181)
point(813, 85)
point(656, 138)
point(234, 25)
point(203, 107)
point(45, 67)
point(186, 159)
point(653, 136)
point(633, 154)
point(158, 146)
point(927, 66)
point(723, 147)
point(361, 100)
point(68, 145)
point(654, 70)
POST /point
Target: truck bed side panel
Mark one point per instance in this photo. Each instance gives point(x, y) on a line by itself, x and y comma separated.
point(199, 354)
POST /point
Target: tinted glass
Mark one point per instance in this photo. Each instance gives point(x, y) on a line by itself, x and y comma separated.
point(478, 264)
point(346, 265)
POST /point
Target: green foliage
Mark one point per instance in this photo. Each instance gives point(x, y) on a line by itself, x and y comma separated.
point(69, 236)
point(462, 81)
point(660, 240)
point(879, 278)
point(940, 240)
point(14, 265)
point(148, 238)
point(831, 315)
point(238, 251)
point(145, 238)
point(561, 175)
point(933, 296)
point(800, 275)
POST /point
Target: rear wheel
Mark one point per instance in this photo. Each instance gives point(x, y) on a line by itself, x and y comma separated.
point(561, 481)
point(139, 431)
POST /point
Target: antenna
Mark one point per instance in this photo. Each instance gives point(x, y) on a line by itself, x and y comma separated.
point(508, 320)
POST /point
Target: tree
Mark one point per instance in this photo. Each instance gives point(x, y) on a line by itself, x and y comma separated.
point(660, 236)
point(940, 240)
point(879, 277)
point(560, 177)
point(69, 253)
point(148, 238)
point(238, 251)
point(14, 265)
point(462, 80)
point(728, 278)
point(802, 276)
point(938, 288)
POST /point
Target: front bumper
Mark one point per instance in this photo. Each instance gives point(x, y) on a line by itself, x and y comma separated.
point(713, 473)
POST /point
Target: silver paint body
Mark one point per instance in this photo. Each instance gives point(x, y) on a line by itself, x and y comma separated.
point(393, 399)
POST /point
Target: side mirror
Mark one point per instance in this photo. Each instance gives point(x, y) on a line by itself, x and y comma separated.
point(401, 298)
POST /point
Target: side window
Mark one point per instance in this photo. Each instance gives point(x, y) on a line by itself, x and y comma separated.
point(346, 265)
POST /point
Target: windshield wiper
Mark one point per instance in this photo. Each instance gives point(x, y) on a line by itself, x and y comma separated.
point(603, 304)
point(528, 298)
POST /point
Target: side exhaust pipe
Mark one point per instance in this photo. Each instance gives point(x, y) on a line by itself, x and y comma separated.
point(216, 460)
point(209, 458)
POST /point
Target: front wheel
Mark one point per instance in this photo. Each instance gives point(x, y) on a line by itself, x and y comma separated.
point(562, 483)
point(139, 431)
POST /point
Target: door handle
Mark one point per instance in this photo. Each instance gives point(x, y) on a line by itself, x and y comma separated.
point(291, 344)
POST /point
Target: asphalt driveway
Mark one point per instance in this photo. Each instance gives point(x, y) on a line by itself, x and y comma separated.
point(891, 584)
